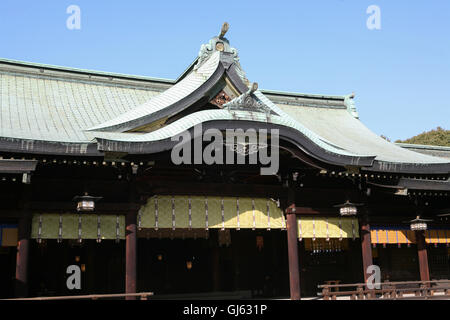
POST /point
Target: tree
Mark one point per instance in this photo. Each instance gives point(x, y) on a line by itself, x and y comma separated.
point(436, 137)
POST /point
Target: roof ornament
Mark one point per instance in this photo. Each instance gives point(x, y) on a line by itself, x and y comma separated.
point(224, 30)
point(221, 44)
point(218, 43)
point(248, 101)
point(350, 104)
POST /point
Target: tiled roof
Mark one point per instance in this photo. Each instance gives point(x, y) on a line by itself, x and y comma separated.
point(58, 107)
point(340, 128)
point(167, 98)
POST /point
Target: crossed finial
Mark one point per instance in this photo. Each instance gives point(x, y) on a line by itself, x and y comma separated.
point(224, 29)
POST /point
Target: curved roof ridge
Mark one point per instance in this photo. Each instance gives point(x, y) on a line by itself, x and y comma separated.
point(199, 117)
point(422, 146)
point(299, 126)
point(182, 89)
point(303, 95)
point(20, 63)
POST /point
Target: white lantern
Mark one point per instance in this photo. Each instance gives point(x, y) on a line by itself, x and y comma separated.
point(86, 203)
point(348, 209)
point(419, 224)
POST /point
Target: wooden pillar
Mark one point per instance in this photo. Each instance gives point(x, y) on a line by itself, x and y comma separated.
point(23, 247)
point(423, 257)
point(294, 272)
point(366, 245)
point(130, 254)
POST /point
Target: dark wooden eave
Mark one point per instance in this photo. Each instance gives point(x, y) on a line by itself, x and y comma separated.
point(17, 166)
point(417, 184)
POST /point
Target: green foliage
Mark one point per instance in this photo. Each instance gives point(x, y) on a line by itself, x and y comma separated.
point(435, 137)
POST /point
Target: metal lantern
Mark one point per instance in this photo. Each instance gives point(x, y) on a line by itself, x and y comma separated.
point(86, 203)
point(348, 208)
point(419, 224)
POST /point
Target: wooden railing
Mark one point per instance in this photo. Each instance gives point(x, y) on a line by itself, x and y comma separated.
point(438, 289)
point(141, 295)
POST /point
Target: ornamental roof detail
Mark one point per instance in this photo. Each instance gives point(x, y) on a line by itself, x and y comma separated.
point(220, 44)
point(249, 102)
point(350, 104)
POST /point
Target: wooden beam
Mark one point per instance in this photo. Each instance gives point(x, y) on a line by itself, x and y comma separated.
point(314, 211)
point(17, 166)
point(101, 207)
point(204, 188)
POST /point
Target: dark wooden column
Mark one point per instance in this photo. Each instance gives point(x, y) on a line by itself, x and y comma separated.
point(423, 257)
point(366, 245)
point(291, 224)
point(130, 254)
point(23, 246)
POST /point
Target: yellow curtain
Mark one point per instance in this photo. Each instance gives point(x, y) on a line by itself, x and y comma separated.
point(327, 228)
point(392, 236)
point(50, 226)
point(172, 212)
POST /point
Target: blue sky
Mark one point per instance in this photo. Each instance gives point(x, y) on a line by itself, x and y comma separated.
point(400, 74)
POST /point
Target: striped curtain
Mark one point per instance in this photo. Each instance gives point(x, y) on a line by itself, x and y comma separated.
point(198, 212)
point(404, 236)
point(327, 228)
point(77, 226)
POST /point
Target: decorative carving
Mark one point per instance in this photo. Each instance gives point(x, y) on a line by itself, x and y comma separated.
point(220, 43)
point(220, 99)
point(350, 104)
point(246, 148)
point(205, 52)
point(249, 102)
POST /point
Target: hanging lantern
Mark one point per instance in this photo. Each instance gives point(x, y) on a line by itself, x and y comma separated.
point(189, 265)
point(86, 203)
point(419, 224)
point(348, 208)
